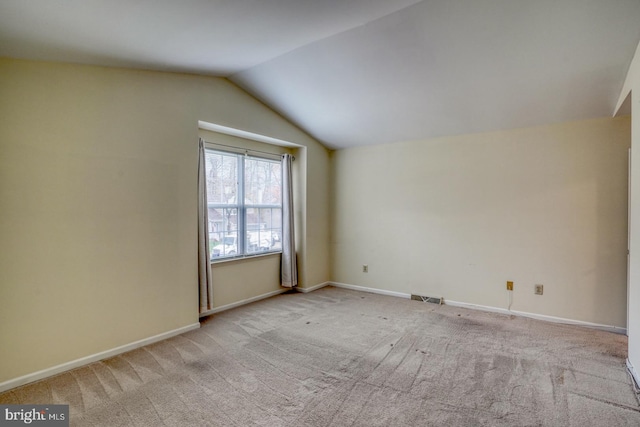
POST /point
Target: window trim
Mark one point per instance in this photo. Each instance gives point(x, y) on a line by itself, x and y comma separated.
point(241, 235)
point(222, 260)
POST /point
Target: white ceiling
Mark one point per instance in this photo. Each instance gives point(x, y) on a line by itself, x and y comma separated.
point(356, 72)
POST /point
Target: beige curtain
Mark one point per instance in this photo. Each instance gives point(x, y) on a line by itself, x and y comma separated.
point(204, 268)
point(288, 268)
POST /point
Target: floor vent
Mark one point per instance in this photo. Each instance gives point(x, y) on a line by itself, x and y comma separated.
point(432, 300)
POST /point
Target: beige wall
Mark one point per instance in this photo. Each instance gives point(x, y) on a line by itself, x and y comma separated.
point(243, 279)
point(632, 88)
point(459, 216)
point(98, 205)
point(316, 256)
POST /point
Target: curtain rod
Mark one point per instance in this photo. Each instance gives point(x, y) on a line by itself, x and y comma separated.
point(246, 150)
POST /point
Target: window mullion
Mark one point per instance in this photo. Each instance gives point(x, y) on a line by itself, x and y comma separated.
point(242, 229)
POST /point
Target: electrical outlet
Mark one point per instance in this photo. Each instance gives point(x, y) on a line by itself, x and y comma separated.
point(509, 286)
point(365, 268)
point(538, 289)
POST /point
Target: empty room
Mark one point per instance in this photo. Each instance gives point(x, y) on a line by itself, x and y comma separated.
point(320, 213)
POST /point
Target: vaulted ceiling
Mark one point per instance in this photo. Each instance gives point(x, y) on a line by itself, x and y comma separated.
point(356, 72)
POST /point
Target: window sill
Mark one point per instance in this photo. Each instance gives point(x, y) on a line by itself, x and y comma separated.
point(243, 257)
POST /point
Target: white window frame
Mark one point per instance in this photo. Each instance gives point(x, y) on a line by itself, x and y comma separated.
point(241, 206)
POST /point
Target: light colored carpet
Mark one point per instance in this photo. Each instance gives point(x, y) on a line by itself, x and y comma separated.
point(335, 357)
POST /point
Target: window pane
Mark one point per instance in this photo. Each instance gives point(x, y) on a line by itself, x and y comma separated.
point(244, 199)
point(222, 178)
point(223, 232)
point(262, 182)
point(264, 229)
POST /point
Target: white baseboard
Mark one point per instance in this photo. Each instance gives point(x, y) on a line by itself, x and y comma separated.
point(49, 372)
point(477, 307)
point(371, 290)
point(312, 288)
point(243, 302)
point(608, 328)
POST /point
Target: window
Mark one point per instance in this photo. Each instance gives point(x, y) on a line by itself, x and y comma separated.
point(244, 199)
